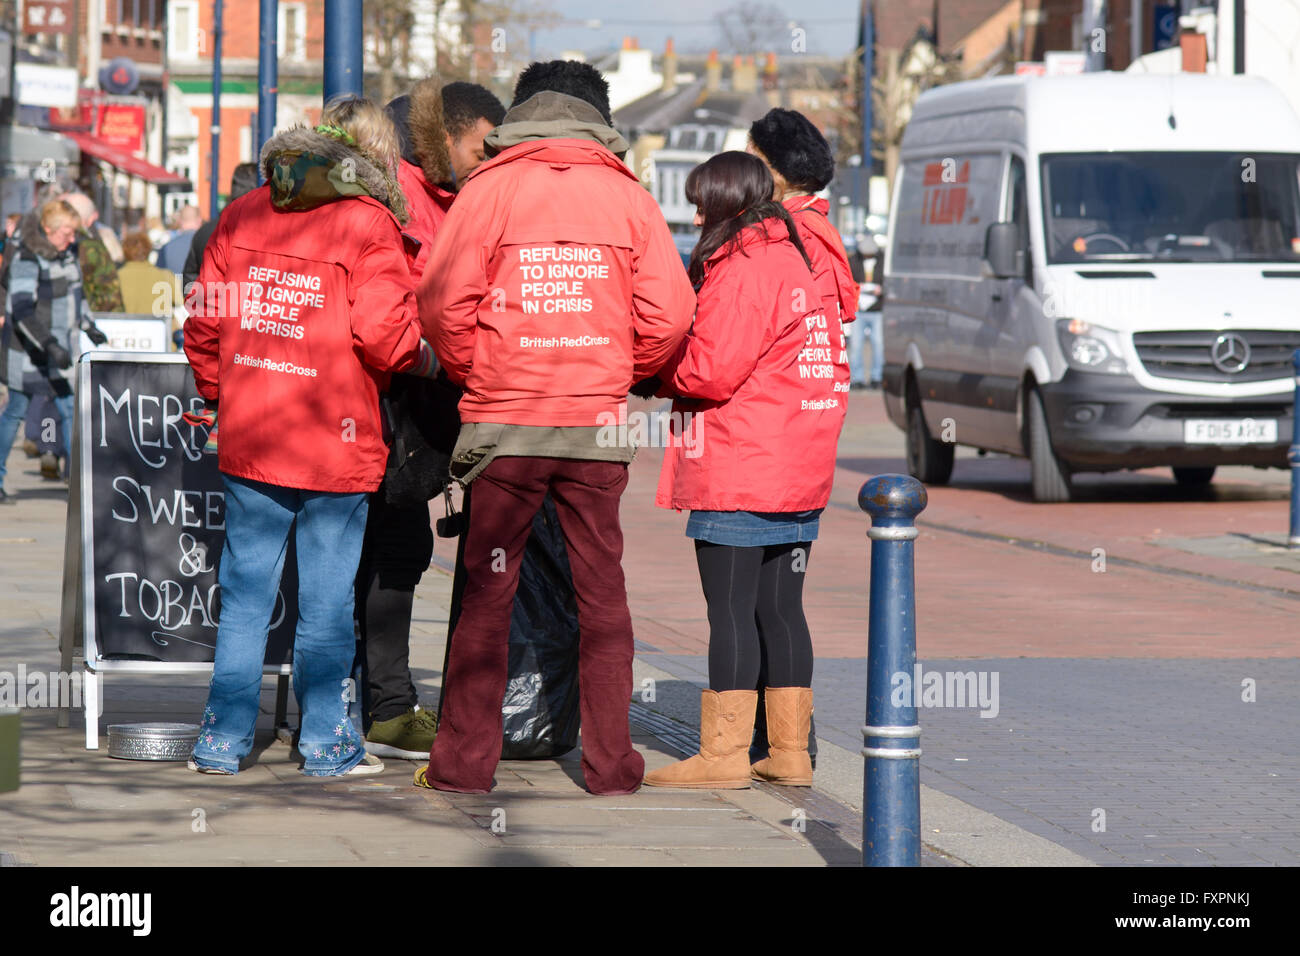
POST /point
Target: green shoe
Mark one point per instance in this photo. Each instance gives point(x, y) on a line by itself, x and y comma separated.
point(408, 736)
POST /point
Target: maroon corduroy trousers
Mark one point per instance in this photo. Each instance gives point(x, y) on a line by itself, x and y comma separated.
point(506, 496)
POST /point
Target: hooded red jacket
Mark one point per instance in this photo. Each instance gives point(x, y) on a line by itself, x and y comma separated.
point(825, 248)
point(303, 315)
point(761, 361)
point(426, 205)
point(830, 266)
point(552, 286)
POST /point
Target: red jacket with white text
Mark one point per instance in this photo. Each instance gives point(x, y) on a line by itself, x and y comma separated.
point(304, 315)
point(761, 363)
point(830, 266)
point(552, 286)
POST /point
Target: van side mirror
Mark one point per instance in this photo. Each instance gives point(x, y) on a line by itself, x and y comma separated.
point(1003, 251)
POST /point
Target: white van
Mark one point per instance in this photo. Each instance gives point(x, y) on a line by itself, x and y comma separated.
point(1097, 272)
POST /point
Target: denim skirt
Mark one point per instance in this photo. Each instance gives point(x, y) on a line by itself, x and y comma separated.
point(753, 529)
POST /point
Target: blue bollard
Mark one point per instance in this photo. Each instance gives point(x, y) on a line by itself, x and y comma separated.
point(1293, 456)
point(891, 785)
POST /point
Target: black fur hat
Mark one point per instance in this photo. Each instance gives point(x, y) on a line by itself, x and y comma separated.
point(795, 148)
point(565, 76)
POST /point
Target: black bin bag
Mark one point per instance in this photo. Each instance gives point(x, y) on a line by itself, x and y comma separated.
point(540, 716)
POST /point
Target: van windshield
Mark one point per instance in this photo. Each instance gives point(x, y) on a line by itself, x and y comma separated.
point(1172, 207)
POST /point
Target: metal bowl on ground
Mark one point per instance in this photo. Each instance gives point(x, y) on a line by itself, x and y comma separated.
point(152, 741)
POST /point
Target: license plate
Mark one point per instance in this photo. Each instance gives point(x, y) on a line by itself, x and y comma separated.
point(1229, 431)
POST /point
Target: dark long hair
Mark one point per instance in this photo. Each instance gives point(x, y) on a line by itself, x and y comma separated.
point(733, 191)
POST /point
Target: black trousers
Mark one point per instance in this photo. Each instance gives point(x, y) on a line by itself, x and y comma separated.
point(758, 636)
point(397, 549)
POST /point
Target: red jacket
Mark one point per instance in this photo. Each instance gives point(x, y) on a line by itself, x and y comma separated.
point(426, 205)
point(303, 315)
point(830, 266)
point(552, 286)
point(761, 359)
point(825, 248)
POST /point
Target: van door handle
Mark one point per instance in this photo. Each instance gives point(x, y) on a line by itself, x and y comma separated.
point(997, 296)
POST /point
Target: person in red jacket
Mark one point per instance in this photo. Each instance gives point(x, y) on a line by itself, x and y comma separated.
point(552, 286)
point(304, 305)
point(760, 422)
point(441, 132)
point(801, 163)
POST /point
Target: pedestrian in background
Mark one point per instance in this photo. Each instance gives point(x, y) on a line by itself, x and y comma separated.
point(46, 313)
point(754, 466)
point(158, 234)
point(867, 260)
point(554, 191)
point(173, 252)
point(11, 224)
point(98, 270)
point(301, 444)
point(146, 289)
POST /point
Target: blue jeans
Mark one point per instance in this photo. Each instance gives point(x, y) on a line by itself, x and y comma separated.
point(328, 536)
point(12, 420)
point(866, 322)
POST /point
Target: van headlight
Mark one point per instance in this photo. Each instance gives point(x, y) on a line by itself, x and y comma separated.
point(1090, 348)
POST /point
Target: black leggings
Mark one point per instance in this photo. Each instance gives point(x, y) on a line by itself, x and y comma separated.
point(756, 621)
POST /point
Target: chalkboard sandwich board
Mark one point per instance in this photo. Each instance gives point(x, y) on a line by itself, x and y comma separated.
point(146, 525)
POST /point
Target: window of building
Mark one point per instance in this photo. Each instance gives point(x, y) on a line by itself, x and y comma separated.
point(183, 30)
point(292, 40)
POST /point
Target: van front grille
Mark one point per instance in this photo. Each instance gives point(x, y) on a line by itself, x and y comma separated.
point(1191, 355)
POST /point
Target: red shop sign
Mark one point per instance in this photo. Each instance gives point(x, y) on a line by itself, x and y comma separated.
point(122, 125)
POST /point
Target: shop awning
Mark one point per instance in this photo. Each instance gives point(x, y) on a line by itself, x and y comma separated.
point(131, 165)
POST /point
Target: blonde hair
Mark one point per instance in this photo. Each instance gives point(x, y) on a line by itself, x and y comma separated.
point(367, 123)
point(56, 212)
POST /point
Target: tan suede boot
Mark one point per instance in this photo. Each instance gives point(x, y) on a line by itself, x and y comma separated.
point(789, 713)
point(726, 725)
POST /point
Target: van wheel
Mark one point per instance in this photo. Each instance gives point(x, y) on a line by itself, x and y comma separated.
point(1051, 478)
point(928, 460)
point(1194, 477)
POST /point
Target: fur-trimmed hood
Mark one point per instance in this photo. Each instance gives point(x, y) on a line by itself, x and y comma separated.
point(306, 169)
point(32, 236)
point(429, 132)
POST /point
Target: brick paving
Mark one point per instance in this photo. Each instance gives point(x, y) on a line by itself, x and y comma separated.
point(1120, 690)
point(1185, 770)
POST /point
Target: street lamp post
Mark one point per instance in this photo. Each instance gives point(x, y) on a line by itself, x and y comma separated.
point(215, 165)
point(268, 75)
point(343, 48)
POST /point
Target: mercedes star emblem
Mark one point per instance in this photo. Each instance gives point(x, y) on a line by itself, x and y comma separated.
point(1230, 353)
